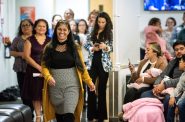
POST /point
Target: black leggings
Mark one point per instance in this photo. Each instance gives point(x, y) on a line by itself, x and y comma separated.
point(68, 117)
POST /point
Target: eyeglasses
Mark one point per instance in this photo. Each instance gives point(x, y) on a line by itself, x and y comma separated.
point(26, 25)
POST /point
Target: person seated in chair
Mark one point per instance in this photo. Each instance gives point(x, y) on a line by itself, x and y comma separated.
point(172, 71)
point(177, 98)
point(153, 60)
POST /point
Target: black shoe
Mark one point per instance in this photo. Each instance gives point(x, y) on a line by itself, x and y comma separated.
point(100, 120)
point(120, 117)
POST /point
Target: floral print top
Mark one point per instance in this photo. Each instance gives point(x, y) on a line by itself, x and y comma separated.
point(106, 61)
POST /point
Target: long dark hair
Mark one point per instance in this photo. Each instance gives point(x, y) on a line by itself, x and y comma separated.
point(20, 29)
point(106, 34)
point(70, 43)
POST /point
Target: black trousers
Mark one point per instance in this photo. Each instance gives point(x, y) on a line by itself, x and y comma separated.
point(68, 117)
point(97, 103)
point(133, 94)
point(20, 79)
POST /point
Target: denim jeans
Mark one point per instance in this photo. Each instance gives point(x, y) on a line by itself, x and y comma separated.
point(171, 111)
point(165, 105)
point(181, 106)
point(148, 94)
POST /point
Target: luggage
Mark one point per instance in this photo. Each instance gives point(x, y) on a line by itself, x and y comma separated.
point(24, 111)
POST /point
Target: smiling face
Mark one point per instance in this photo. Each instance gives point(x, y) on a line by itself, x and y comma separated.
point(62, 32)
point(149, 52)
point(41, 28)
point(170, 23)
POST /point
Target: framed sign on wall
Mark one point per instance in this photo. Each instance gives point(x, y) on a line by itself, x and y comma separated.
point(27, 13)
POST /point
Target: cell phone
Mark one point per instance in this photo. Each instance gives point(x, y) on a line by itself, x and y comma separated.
point(129, 61)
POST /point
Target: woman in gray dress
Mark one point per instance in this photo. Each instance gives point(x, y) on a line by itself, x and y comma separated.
point(64, 70)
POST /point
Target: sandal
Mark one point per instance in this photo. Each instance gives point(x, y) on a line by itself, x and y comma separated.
point(38, 118)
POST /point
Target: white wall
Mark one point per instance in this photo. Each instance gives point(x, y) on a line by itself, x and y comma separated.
point(80, 7)
point(43, 9)
point(129, 22)
point(7, 75)
point(126, 28)
point(47, 8)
